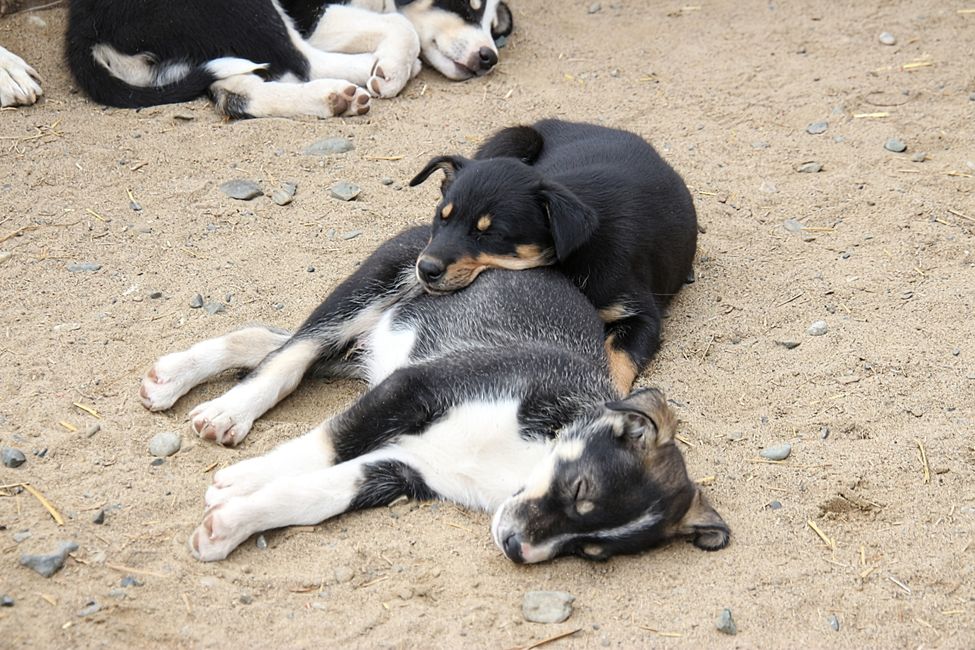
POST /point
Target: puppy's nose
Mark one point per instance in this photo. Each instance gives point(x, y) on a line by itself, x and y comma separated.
point(487, 58)
point(429, 269)
point(512, 548)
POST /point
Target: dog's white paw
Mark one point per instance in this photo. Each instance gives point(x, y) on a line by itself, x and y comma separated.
point(221, 531)
point(19, 83)
point(238, 480)
point(169, 379)
point(349, 100)
point(390, 75)
point(226, 420)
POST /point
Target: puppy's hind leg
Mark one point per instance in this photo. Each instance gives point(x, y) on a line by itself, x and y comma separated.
point(173, 375)
point(631, 341)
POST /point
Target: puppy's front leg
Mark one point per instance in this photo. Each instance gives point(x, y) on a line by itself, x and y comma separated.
point(631, 341)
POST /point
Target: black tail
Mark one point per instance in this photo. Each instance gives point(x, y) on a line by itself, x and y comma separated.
point(104, 88)
point(522, 142)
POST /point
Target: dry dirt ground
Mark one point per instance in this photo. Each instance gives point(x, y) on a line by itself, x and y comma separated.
point(725, 90)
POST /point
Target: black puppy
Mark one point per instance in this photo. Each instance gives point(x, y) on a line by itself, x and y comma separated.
point(598, 203)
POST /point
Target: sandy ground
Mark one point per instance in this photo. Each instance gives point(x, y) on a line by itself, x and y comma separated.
point(725, 91)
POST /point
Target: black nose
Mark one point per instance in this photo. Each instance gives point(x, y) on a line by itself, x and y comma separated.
point(488, 58)
point(512, 548)
point(430, 269)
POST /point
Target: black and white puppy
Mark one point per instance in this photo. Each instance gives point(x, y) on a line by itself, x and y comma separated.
point(598, 203)
point(282, 58)
point(497, 397)
point(20, 85)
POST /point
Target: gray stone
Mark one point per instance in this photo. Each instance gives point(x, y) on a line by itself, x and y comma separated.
point(156, 462)
point(329, 146)
point(920, 156)
point(117, 593)
point(788, 345)
point(818, 328)
point(155, 295)
point(261, 542)
point(386, 180)
point(792, 225)
point(196, 301)
point(213, 308)
point(130, 581)
point(246, 599)
point(91, 607)
point(834, 622)
point(811, 167)
point(956, 352)
point(352, 234)
point(594, 8)
point(547, 606)
point(83, 267)
point(240, 189)
point(99, 518)
point(886, 38)
point(971, 97)
point(21, 535)
point(345, 191)
point(92, 429)
point(5, 256)
point(817, 127)
point(775, 505)
point(284, 194)
point(823, 433)
point(760, 144)
point(6, 601)
point(48, 565)
point(776, 452)
point(165, 444)
point(343, 574)
point(726, 624)
point(895, 145)
point(12, 457)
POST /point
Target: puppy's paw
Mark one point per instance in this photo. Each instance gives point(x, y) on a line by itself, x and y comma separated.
point(225, 420)
point(350, 101)
point(19, 83)
point(390, 75)
point(217, 535)
point(168, 380)
point(238, 480)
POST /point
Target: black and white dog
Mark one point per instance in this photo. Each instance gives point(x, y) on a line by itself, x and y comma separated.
point(597, 203)
point(496, 397)
point(20, 85)
point(282, 58)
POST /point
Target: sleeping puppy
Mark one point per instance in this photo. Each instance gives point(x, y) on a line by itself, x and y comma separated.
point(20, 85)
point(598, 203)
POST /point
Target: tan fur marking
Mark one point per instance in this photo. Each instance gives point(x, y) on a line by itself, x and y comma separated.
point(463, 271)
point(614, 312)
point(484, 222)
point(447, 209)
point(622, 370)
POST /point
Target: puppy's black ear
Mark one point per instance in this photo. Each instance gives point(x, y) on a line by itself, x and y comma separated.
point(571, 221)
point(503, 23)
point(449, 165)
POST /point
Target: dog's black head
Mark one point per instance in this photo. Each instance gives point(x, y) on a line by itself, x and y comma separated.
point(614, 483)
point(498, 213)
point(459, 37)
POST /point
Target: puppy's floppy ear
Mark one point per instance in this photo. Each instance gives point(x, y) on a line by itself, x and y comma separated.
point(449, 165)
point(503, 24)
point(646, 416)
point(571, 221)
point(708, 530)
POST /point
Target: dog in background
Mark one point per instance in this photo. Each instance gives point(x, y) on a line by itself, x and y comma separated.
point(283, 58)
point(20, 85)
point(497, 397)
point(597, 203)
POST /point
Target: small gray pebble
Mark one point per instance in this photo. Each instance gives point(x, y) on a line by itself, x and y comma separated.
point(726, 624)
point(280, 197)
point(834, 622)
point(130, 581)
point(547, 606)
point(83, 267)
point(6, 601)
point(310, 269)
point(845, 255)
point(792, 225)
point(329, 146)
point(838, 139)
point(228, 297)
point(343, 574)
point(246, 599)
point(823, 433)
point(196, 301)
point(156, 462)
point(386, 180)
point(90, 608)
point(920, 156)
point(690, 278)
point(92, 429)
point(895, 145)
point(12, 457)
point(21, 536)
point(213, 308)
point(776, 452)
point(117, 593)
point(956, 352)
point(501, 41)
point(594, 8)
point(971, 97)
point(261, 542)
point(48, 565)
point(760, 144)
point(136, 207)
point(240, 189)
point(818, 328)
point(155, 295)
point(277, 306)
point(775, 505)
point(817, 127)
point(99, 518)
point(5, 256)
point(345, 191)
point(886, 38)
point(165, 444)
point(352, 234)
point(788, 345)
point(735, 436)
point(811, 167)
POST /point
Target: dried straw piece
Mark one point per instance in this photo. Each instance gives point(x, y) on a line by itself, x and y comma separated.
point(44, 502)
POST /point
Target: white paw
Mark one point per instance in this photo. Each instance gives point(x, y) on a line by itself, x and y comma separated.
point(226, 420)
point(238, 480)
point(170, 378)
point(19, 83)
point(390, 75)
point(220, 533)
point(345, 100)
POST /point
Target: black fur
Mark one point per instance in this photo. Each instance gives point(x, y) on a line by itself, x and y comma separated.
point(617, 218)
point(386, 481)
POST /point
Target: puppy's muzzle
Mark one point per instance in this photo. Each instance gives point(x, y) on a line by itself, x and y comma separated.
point(430, 270)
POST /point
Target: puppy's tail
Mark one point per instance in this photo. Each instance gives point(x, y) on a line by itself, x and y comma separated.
point(521, 142)
point(133, 81)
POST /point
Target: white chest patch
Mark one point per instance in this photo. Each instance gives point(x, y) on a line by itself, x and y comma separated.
point(387, 349)
point(474, 455)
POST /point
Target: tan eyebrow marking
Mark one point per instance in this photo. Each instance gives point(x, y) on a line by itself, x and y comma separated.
point(484, 223)
point(447, 209)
